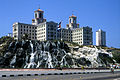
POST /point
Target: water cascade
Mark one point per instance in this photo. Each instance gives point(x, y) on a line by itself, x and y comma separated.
point(36, 54)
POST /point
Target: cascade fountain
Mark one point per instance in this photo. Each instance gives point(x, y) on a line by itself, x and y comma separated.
point(36, 54)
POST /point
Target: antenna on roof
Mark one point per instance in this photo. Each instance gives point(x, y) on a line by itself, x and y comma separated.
point(39, 6)
point(72, 12)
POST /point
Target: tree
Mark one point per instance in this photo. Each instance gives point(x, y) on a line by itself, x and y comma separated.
point(25, 37)
point(4, 43)
point(116, 55)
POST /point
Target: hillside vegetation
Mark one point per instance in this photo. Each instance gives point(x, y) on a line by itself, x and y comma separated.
point(4, 43)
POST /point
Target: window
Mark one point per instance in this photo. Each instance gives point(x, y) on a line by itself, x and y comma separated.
point(70, 20)
point(36, 15)
point(74, 21)
point(15, 36)
point(40, 15)
point(51, 28)
point(14, 29)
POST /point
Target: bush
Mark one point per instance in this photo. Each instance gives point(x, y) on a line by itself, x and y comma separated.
point(116, 55)
point(5, 41)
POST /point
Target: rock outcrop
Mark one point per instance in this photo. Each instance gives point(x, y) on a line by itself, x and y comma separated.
point(49, 54)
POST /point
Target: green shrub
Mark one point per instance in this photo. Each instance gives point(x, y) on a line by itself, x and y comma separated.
point(116, 55)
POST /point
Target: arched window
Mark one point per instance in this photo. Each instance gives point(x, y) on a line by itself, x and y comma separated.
point(40, 15)
point(35, 15)
point(74, 20)
point(70, 20)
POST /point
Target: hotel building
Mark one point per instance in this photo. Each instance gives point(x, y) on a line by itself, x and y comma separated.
point(42, 30)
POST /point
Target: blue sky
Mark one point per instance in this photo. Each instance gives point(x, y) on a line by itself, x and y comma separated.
point(98, 14)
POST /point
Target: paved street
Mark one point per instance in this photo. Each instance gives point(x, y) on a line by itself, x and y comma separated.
point(39, 72)
point(96, 76)
point(48, 71)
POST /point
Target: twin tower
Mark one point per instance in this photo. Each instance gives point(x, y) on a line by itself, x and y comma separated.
point(38, 14)
point(43, 30)
point(39, 18)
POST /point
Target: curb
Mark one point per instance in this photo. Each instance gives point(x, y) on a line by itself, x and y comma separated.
point(47, 74)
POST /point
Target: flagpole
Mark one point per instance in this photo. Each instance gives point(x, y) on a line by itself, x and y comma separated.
point(61, 34)
point(59, 28)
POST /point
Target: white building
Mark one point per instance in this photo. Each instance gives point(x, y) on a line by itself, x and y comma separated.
point(72, 22)
point(39, 17)
point(10, 35)
point(47, 31)
point(100, 38)
point(38, 30)
point(19, 29)
point(42, 30)
point(82, 36)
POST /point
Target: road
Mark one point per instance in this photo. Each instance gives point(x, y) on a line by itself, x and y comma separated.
point(95, 76)
point(46, 71)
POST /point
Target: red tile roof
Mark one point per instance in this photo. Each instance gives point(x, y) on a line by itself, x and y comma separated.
point(72, 16)
point(39, 10)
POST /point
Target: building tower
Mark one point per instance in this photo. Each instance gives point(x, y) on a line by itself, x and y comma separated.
point(72, 22)
point(100, 38)
point(38, 15)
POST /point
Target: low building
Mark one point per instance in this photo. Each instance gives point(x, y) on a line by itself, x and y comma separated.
point(10, 35)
